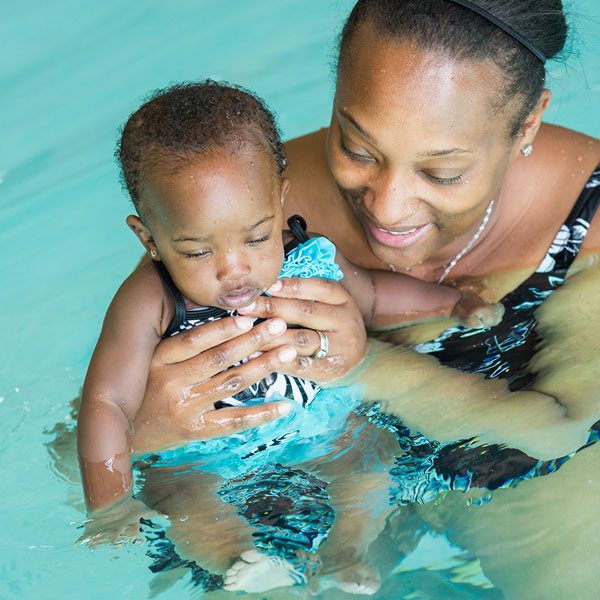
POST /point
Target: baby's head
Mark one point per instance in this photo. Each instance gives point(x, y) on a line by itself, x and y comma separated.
point(203, 164)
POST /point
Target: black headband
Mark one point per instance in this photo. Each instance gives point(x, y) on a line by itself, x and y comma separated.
point(502, 25)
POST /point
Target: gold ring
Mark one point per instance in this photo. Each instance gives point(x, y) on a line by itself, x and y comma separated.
point(323, 346)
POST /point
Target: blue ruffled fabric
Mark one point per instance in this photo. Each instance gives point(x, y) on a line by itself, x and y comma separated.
point(313, 258)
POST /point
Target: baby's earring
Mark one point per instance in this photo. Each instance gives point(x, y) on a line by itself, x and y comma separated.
point(527, 150)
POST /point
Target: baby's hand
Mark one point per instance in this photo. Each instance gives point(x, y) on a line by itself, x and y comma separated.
point(473, 312)
point(118, 525)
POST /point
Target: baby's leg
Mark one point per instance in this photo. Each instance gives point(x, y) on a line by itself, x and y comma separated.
point(203, 527)
point(359, 492)
point(361, 503)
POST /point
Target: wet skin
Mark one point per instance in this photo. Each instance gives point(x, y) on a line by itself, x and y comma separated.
point(388, 92)
point(216, 225)
point(411, 103)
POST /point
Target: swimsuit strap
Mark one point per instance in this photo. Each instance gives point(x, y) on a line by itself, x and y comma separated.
point(178, 301)
point(586, 205)
point(297, 226)
point(570, 237)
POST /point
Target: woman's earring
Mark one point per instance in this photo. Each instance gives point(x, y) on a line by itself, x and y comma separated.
point(153, 253)
point(527, 150)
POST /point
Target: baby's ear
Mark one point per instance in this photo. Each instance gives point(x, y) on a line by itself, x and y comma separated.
point(143, 234)
point(285, 186)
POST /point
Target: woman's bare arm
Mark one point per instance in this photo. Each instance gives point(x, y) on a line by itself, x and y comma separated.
point(550, 420)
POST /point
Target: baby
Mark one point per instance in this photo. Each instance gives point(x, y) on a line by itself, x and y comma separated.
point(204, 164)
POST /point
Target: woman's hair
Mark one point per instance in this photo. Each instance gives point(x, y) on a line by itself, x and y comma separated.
point(462, 34)
point(178, 124)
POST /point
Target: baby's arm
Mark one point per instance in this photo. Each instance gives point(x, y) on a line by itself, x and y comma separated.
point(387, 299)
point(114, 387)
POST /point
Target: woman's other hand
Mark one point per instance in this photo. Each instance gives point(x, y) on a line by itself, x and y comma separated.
point(316, 305)
point(190, 372)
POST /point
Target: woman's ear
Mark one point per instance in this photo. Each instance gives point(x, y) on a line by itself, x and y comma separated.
point(534, 119)
point(285, 186)
point(143, 234)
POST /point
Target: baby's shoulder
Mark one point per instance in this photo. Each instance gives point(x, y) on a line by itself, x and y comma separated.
point(141, 299)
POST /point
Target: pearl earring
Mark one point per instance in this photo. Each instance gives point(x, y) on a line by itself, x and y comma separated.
point(153, 253)
point(527, 150)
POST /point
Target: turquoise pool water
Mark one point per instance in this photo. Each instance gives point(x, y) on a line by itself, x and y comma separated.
point(71, 73)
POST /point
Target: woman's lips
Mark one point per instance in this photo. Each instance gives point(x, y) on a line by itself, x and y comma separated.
point(402, 238)
point(239, 298)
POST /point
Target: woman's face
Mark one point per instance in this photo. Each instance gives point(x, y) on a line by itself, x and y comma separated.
point(418, 146)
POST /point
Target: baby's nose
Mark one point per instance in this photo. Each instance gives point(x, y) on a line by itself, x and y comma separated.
point(233, 267)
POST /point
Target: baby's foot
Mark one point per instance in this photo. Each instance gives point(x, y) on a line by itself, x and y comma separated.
point(475, 313)
point(256, 572)
point(360, 578)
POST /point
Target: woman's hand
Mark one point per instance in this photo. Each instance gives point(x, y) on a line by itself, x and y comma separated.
point(190, 372)
point(315, 305)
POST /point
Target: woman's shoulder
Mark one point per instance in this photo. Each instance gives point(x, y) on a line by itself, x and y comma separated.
point(566, 162)
point(548, 183)
point(564, 159)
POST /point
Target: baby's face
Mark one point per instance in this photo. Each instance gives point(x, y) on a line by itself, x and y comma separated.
point(217, 227)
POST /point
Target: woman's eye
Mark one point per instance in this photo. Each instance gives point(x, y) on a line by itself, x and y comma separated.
point(354, 155)
point(445, 180)
point(256, 241)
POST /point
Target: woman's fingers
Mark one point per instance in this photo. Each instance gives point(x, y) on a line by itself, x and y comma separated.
point(216, 359)
point(194, 341)
point(315, 305)
point(306, 341)
point(236, 379)
point(305, 313)
point(320, 290)
point(226, 421)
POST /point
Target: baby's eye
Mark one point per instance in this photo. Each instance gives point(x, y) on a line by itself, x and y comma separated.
point(201, 254)
point(256, 241)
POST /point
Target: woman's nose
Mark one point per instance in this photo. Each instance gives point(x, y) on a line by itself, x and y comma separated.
point(391, 199)
point(233, 266)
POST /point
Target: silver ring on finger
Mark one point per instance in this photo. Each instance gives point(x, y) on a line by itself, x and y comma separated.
point(323, 346)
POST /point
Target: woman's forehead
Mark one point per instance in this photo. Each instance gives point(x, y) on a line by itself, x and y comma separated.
point(391, 85)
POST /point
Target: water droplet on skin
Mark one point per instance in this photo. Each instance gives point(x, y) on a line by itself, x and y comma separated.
point(580, 158)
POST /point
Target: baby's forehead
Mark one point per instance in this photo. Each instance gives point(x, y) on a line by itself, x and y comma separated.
point(211, 194)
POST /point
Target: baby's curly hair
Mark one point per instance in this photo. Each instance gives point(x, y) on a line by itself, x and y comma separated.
point(178, 123)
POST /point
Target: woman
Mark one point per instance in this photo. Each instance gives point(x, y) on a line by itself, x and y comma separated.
point(436, 162)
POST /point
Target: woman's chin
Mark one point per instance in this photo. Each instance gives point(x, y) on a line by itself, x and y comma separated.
point(399, 259)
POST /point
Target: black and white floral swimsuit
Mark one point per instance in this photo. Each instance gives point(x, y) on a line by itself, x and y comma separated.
point(502, 352)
